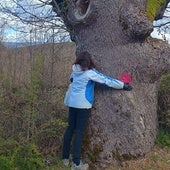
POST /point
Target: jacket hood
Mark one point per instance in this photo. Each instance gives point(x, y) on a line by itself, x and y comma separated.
point(76, 68)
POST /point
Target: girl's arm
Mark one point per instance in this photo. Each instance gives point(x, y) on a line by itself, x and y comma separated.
point(103, 79)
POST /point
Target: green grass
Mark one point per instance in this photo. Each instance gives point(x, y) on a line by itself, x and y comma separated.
point(163, 138)
point(151, 168)
point(59, 166)
point(154, 157)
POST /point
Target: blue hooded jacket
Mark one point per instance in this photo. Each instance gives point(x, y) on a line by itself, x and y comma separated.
point(80, 93)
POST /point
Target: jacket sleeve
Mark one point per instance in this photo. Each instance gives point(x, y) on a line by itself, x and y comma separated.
point(96, 76)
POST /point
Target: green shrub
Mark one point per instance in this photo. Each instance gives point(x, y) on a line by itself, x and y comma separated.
point(19, 156)
point(165, 85)
point(7, 147)
point(49, 137)
point(28, 157)
point(5, 163)
point(59, 165)
point(21, 106)
point(163, 138)
point(164, 103)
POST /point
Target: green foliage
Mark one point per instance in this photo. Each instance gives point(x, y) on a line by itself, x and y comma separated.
point(60, 166)
point(152, 7)
point(7, 147)
point(27, 157)
point(19, 156)
point(164, 103)
point(11, 106)
point(163, 138)
point(165, 85)
point(28, 116)
point(20, 105)
point(154, 157)
point(33, 96)
point(34, 87)
point(49, 136)
point(35, 82)
point(5, 163)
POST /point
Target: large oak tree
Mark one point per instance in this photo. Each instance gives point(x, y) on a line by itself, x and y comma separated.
point(117, 34)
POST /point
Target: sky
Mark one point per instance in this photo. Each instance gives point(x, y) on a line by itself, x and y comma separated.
point(15, 30)
point(163, 32)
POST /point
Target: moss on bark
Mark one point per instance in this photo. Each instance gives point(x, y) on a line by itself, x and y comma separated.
point(153, 7)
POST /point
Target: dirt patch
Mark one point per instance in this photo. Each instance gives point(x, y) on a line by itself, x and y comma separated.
point(157, 159)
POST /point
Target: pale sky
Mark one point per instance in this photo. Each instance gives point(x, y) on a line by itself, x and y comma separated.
point(163, 33)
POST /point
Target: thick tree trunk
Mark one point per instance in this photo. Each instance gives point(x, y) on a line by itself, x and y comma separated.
point(115, 32)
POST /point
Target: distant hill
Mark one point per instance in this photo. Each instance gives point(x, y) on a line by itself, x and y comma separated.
point(17, 62)
point(18, 45)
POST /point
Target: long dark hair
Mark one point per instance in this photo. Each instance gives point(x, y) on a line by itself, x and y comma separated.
point(85, 61)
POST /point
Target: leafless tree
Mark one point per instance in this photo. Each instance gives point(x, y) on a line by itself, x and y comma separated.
point(23, 15)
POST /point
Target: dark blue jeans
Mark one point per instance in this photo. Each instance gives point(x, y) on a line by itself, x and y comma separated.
point(77, 122)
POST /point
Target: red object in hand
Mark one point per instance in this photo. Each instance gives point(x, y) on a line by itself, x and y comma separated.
point(125, 78)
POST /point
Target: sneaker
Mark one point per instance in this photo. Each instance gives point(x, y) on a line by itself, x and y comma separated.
point(81, 166)
point(66, 162)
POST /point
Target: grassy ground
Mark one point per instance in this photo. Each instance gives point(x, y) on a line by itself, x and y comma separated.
point(157, 159)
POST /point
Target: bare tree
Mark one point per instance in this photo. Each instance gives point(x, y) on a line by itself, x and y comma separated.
point(24, 14)
point(2, 31)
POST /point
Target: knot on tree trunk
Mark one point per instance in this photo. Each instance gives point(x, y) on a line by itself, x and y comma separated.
point(135, 22)
point(81, 12)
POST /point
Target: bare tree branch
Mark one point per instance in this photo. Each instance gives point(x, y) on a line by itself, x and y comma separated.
point(37, 14)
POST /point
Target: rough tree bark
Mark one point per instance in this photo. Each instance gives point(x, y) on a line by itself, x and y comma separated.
point(116, 33)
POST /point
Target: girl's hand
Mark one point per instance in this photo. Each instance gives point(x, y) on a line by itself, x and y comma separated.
point(127, 87)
